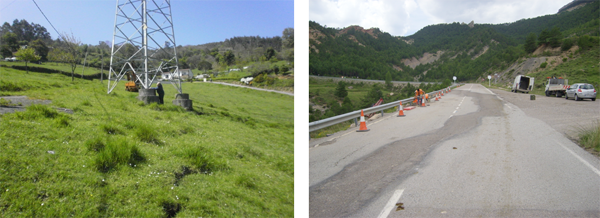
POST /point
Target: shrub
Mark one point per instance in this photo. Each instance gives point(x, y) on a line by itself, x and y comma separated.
point(543, 65)
point(96, 144)
point(205, 160)
point(146, 134)
point(116, 153)
point(564, 59)
point(37, 111)
point(111, 129)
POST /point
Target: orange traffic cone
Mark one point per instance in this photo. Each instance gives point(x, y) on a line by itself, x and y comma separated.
point(363, 123)
point(401, 113)
point(442, 92)
point(423, 103)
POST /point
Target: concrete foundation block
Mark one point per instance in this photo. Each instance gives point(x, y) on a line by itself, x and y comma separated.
point(183, 100)
point(148, 96)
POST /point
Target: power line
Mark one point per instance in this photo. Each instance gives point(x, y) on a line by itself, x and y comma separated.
point(47, 19)
point(8, 5)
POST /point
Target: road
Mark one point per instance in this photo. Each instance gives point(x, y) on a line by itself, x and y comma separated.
point(336, 79)
point(473, 153)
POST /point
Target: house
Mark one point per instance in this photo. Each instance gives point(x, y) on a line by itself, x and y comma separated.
point(182, 74)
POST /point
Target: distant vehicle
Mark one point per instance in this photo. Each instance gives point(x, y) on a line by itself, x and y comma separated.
point(247, 80)
point(556, 86)
point(579, 91)
point(202, 76)
point(522, 84)
point(132, 84)
point(10, 59)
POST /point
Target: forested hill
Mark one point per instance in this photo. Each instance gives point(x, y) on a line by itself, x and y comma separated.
point(441, 51)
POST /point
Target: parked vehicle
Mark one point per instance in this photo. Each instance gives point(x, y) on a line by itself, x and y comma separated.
point(522, 84)
point(580, 91)
point(556, 86)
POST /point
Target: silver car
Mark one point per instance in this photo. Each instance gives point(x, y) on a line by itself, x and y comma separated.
point(579, 91)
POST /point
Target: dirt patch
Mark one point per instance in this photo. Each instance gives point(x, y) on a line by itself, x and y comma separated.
point(426, 59)
point(483, 51)
point(20, 103)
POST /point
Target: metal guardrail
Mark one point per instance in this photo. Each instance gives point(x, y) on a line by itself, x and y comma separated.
point(320, 124)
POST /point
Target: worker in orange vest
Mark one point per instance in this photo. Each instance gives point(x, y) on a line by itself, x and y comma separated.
point(427, 97)
point(417, 99)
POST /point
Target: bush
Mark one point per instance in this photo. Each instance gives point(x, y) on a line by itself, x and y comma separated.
point(116, 153)
point(205, 160)
point(543, 65)
point(96, 144)
point(37, 111)
point(147, 134)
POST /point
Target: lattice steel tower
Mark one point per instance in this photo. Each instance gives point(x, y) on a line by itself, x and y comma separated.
point(143, 43)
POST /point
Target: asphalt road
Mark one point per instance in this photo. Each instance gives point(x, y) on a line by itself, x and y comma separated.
point(473, 153)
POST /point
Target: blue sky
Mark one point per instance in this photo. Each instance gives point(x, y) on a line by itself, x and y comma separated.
point(196, 21)
point(405, 17)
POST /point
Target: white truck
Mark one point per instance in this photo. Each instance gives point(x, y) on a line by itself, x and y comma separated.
point(556, 87)
point(522, 84)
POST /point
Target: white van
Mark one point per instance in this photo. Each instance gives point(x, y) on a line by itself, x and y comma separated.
point(522, 84)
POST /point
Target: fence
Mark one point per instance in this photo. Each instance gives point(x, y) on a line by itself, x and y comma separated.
point(320, 124)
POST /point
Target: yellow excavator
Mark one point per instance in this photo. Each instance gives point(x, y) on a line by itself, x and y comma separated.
point(132, 84)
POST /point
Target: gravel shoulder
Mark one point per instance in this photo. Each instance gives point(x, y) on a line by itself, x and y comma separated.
point(568, 117)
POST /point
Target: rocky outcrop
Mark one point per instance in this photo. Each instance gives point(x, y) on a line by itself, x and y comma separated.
point(358, 28)
point(472, 24)
point(426, 59)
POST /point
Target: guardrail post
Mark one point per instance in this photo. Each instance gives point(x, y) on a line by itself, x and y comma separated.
point(381, 113)
point(355, 122)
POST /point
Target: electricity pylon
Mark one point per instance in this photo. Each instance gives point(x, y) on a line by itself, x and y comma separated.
point(143, 43)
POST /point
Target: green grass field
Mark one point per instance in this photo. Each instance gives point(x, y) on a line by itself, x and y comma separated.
point(58, 66)
point(231, 156)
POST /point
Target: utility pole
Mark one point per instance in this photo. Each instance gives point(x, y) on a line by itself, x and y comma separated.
point(102, 68)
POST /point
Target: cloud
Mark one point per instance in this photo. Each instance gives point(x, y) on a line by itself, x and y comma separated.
point(388, 15)
point(405, 17)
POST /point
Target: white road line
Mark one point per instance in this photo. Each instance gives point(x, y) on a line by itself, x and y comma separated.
point(456, 108)
point(391, 203)
point(450, 116)
point(508, 106)
point(454, 112)
point(581, 159)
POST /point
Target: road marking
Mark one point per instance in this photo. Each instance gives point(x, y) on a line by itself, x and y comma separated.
point(454, 111)
point(508, 106)
point(581, 159)
point(390, 204)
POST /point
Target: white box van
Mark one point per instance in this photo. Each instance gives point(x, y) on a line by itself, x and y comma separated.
point(522, 84)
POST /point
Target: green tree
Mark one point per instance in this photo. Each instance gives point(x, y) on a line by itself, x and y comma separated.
point(347, 105)
point(40, 48)
point(5, 51)
point(372, 96)
point(555, 37)
point(543, 38)
point(228, 58)
point(584, 42)
point(269, 53)
point(567, 44)
point(388, 80)
point(11, 40)
point(288, 38)
point(341, 91)
point(530, 44)
point(204, 65)
point(71, 54)
point(27, 55)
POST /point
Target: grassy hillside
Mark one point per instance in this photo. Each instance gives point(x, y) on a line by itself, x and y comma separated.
point(231, 156)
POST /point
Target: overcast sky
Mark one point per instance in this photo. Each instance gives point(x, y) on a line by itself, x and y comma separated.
point(195, 21)
point(405, 17)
